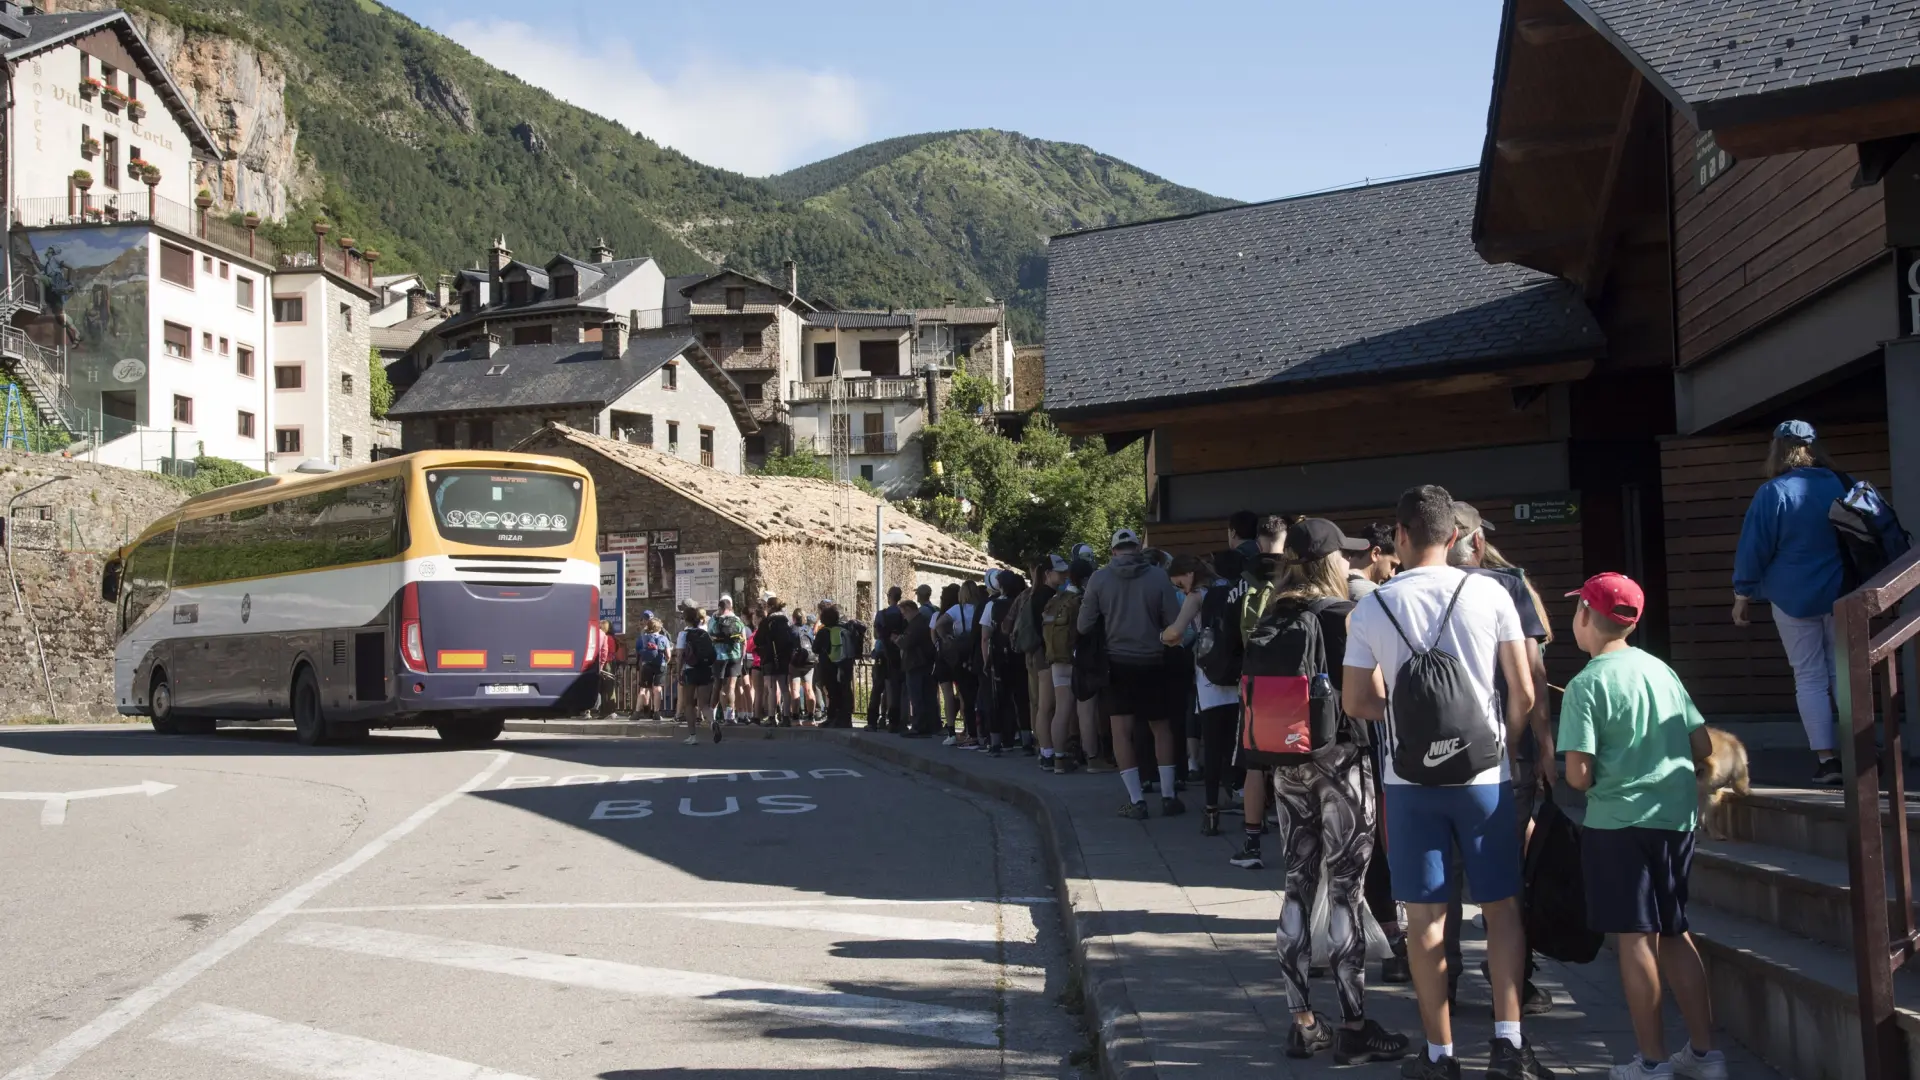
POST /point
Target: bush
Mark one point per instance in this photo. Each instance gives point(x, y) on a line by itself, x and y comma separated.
point(210, 473)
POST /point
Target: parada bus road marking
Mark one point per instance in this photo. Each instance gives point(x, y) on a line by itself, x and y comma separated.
point(53, 804)
point(661, 776)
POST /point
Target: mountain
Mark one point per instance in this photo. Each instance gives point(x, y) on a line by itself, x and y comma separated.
point(413, 145)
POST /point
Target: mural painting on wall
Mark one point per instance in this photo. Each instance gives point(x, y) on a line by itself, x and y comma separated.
point(93, 315)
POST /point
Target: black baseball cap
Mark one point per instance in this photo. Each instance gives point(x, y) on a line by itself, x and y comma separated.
point(1312, 539)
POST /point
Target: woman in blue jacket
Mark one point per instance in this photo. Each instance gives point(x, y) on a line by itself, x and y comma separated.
point(1788, 557)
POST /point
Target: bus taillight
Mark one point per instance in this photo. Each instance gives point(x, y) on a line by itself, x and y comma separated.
point(413, 652)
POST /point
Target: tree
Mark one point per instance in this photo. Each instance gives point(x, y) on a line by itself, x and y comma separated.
point(379, 387)
point(799, 463)
point(969, 393)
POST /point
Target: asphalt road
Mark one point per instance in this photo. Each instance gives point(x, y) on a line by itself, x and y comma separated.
point(237, 906)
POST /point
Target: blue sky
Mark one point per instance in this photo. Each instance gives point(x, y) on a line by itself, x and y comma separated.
point(1252, 101)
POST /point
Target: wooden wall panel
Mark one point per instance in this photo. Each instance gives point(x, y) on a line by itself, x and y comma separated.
point(1422, 425)
point(1766, 235)
point(1707, 483)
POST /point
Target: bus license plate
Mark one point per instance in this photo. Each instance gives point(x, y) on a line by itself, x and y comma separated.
point(507, 688)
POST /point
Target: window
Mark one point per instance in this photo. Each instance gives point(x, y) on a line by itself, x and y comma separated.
point(289, 377)
point(710, 341)
point(756, 448)
point(566, 285)
point(446, 433)
point(752, 340)
point(110, 154)
point(176, 264)
point(134, 154)
point(206, 341)
point(346, 448)
point(133, 86)
point(338, 527)
point(243, 291)
point(246, 424)
point(480, 434)
point(286, 440)
point(825, 356)
point(346, 316)
point(866, 473)
point(86, 67)
point(880, 359)
point(346, 383)
point(501, 508)
point(243, 361)
point(225, 346)
point(736, 299)
point(670, 376)
point(182, 409)
point(533, 335)
point(226, 270)
point(673, 436)
point(179, 340)
point(206, 261)
point(706, 447)
point(110, 75)
point(289, 309)
point(517, 292)
point(753, 391)
point(636, 428)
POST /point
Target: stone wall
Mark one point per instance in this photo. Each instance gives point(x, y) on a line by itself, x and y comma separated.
point(1029, 376)
point(95, 507)
point(348, 346)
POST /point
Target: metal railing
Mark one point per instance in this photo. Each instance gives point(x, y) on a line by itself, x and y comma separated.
point(1867, 663)
point(334, 259)
point(879, 389)
point(133, 207)
point(860, 443)
point(38, 369)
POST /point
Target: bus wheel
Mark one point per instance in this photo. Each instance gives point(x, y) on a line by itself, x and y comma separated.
point(309, 721)
point(160, 705)
point(470, 732)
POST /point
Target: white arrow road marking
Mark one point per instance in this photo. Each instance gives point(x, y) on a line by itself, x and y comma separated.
point(869, 926)
point(800, 1002)
point(310, 1051)
point(53, 804)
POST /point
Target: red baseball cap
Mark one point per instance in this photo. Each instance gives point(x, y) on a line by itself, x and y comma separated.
point(1616, 596)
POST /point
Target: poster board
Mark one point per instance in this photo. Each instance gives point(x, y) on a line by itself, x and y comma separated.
point(634, 547)
point(697, 580)
point(662, 546)
point(613, 598)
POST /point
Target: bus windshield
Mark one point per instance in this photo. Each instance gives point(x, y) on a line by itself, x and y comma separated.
point(504, 508)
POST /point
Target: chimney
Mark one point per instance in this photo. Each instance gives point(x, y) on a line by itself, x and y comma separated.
point(601, 252)
point(484, 348)
point(613, 339)
point(498, 256)
point(953, 301)
point(417, 302)
point(443, 292)
point(793, 278)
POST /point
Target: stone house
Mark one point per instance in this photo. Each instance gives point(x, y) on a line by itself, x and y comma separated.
point(753, 327)
point(802, 540)
point(656, 388)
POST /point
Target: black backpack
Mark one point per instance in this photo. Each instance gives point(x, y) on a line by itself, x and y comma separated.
point(960, 650)
point(700, 647)
point(1217, 648)
point(1438, 722)
point(1554, 902)
point(802, 654)
point(1288, 705)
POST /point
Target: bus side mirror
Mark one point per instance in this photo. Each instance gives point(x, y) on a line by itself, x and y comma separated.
point(110, 583)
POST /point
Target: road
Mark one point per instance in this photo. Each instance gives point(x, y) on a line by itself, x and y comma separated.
point(550, 908)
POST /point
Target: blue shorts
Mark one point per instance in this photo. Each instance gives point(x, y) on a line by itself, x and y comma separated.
point(1636, 880)
point(1425, 823)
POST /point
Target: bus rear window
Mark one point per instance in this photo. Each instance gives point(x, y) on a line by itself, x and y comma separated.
point(504, 508)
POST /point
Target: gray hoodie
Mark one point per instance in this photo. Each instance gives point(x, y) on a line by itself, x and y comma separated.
point(1138, 601)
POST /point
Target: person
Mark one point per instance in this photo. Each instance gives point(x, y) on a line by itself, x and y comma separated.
point(889, 679)
point(1243, 534)
point(1190, 575)
point(1049, 573)
point(698, 664)
point(1788, 557)
point(1058, 627)
point(753, 692)
point(1217, 706)
point(1327, 808)
point(962, 622)
point(1002, 679)
point(803, 664)
point(922, 704)
point(608, 653)
point(1466, 628)
point(1261, 580)
point(834, 645)
point(945, 650)
point(1368, 570)
point(1133, 599)
point(1533, 753)
point(1633, 740)
point(729, 642)
point(774, 643)
point(650, 651)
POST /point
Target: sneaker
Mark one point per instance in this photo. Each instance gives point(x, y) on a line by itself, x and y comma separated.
point(1827, 773)
point(995, 751)
point(1248, 857)
point(1712, 1067)
point(1395, 969)
point(692, 740)
point(1304, 1042)
point(716, 731)
point(1507, 1063)
point(1064, 765)
point(948, 741)
point(1534, 1001)
point(1418, 1067)
point(1101, 765)
point(1171, 806)
point(1370, 1042)
point(1633, 1070)
point(1137, 811)
point(1046, 763)
point(1210, 822)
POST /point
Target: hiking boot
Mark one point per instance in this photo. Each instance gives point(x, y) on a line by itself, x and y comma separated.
point(1534, 1001)
point(1395, 969)
point(1369, 1042)
point(1172, 807)
point(1137, 811)
point(1248, 857)
point(1686, 1063)
point(1418, 1067)
point(1507, 1063)
point(1827, 773)
point(1210, 822)
point(1304, 1042)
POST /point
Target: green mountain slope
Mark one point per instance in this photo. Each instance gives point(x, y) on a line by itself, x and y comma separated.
point(427, 152)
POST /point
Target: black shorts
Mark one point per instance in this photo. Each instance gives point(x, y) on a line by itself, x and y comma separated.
point(1636, 880)
point(1142, 691)
point(650, 675)
point(697, 676)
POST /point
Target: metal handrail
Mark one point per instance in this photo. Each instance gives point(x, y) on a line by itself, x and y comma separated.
point(1866, 663)
point(868, 389)
point(140, 207)
point(36, 368)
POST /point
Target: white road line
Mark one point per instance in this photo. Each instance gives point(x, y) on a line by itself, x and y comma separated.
point(676, 905)
point(310, 1051)
point(52, 1060)
point(800, 1002)
point(888, 927)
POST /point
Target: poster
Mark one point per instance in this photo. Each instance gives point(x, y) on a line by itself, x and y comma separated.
point(634, 547)
point(613, 601)
point(661, 546)
point(697, 580)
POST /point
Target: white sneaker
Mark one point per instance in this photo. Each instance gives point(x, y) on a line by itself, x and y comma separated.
point(948, 741)
point(692, 740)
point(1685, 1064)
point(1631, 1070)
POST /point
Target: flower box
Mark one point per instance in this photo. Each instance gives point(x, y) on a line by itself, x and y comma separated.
point(90, 87)
point(89, 148)
point(111, 99)
point(136, 168)
point(136, 111)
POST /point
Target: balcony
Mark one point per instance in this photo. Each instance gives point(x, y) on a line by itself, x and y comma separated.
point(337, 261)
point(801, 393)
point(141, 208)
point(875, 443)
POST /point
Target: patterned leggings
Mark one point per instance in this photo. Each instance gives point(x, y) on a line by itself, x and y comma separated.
point(1327, 806)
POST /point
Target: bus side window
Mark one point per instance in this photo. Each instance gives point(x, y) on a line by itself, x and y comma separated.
point(355, 524)
point(144, 585)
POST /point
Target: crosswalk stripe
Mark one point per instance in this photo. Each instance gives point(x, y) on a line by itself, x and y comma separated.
point(676, 905)
point(819, 1006)
point(872, 926)
point(310, 1051)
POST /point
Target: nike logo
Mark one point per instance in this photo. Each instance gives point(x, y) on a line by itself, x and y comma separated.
point(1294, 738)
point(1441, 750)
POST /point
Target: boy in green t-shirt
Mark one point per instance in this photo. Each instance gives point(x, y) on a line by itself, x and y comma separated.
point(1632, 737)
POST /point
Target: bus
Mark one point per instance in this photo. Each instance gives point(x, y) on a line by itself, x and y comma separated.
point(449, 589)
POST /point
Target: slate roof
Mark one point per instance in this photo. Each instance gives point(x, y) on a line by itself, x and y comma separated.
point(46, 32)
point(963, 316)
point(1361, 285)
point(859, 320)
point(1738, 61)
point(591, 290)
point(538, 375)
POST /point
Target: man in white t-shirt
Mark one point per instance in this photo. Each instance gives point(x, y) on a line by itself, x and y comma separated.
point(1438, 607)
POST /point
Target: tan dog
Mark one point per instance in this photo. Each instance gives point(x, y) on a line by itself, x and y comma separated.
point(1723, 772)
